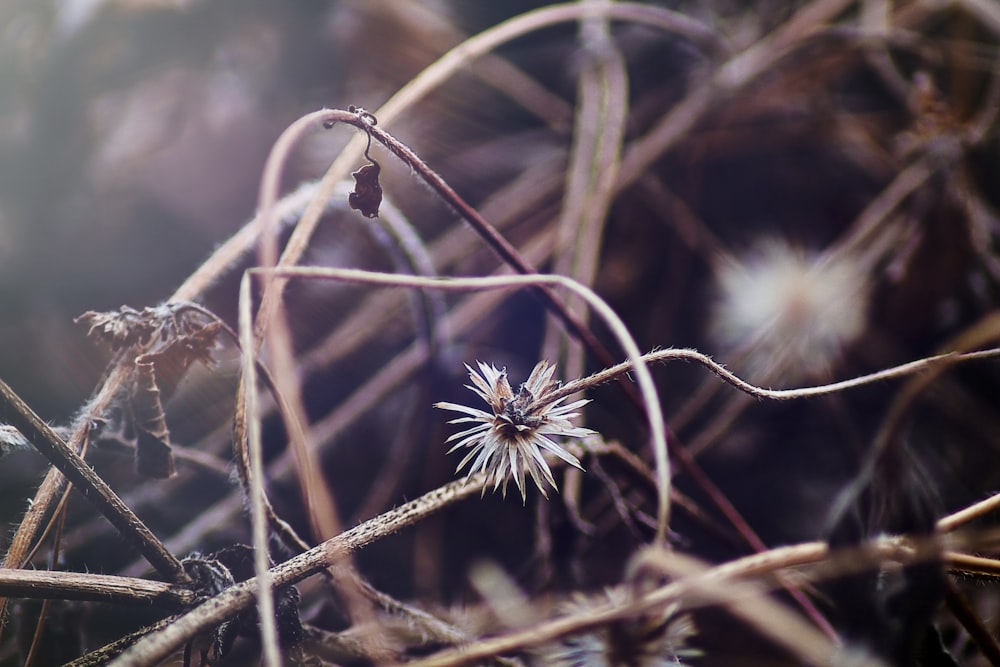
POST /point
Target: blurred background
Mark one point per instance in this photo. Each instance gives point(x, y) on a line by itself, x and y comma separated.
point(823, 209)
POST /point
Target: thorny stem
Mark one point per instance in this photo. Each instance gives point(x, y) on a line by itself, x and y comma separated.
point(43, 612)
point(966, 564)
point(17, 413)
point(100, 657)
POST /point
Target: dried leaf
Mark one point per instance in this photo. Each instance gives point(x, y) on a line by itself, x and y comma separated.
point(128, 327)
point(172, 359)
point(122, 328)
point(153, 456)
point(156, 376)
point(367, 195)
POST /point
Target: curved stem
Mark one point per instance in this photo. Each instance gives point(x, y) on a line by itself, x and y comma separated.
point(685, 354)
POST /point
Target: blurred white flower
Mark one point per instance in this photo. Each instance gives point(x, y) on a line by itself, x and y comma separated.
point(651, 640)
point(788, 311)
point(852, 655)
point(510, 439)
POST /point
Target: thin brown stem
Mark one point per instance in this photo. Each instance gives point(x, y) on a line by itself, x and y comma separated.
point(497, 242)
point(55, 585)
point(973, 624)
point(683, 354)
point(17, 413)
point(54, 483)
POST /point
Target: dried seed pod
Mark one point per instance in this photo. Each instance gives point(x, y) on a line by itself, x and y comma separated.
point(367, 194)
point(153, 456)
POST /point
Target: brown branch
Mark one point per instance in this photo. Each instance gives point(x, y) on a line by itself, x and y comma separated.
point(54, 483)
point(973, 624)
point(17, 413)
point(53, 585)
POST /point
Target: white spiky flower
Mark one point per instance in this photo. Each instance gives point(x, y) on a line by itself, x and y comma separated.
point(790, 311)
point(513, 436)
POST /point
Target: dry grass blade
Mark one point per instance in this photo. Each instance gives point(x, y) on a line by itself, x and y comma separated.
point(258, 516)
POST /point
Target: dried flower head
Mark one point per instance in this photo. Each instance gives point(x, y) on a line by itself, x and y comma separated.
point(511, 438)
point(651, 640)
point(789, 311)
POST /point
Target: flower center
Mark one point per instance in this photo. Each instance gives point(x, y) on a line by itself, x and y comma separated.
point(515, 417)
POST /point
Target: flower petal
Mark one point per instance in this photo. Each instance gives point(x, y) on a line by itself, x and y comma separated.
point(563, 410)
point(541, 465)
point(513, 453)
point(456, 407)
point(469, 436)
point(552, 447)
point(540, 379)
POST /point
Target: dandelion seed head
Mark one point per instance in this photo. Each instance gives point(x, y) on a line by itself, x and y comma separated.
point(511, 439)
point(790, 311)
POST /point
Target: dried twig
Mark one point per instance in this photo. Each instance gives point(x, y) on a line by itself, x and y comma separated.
point(95, 489)
point(54, 585)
